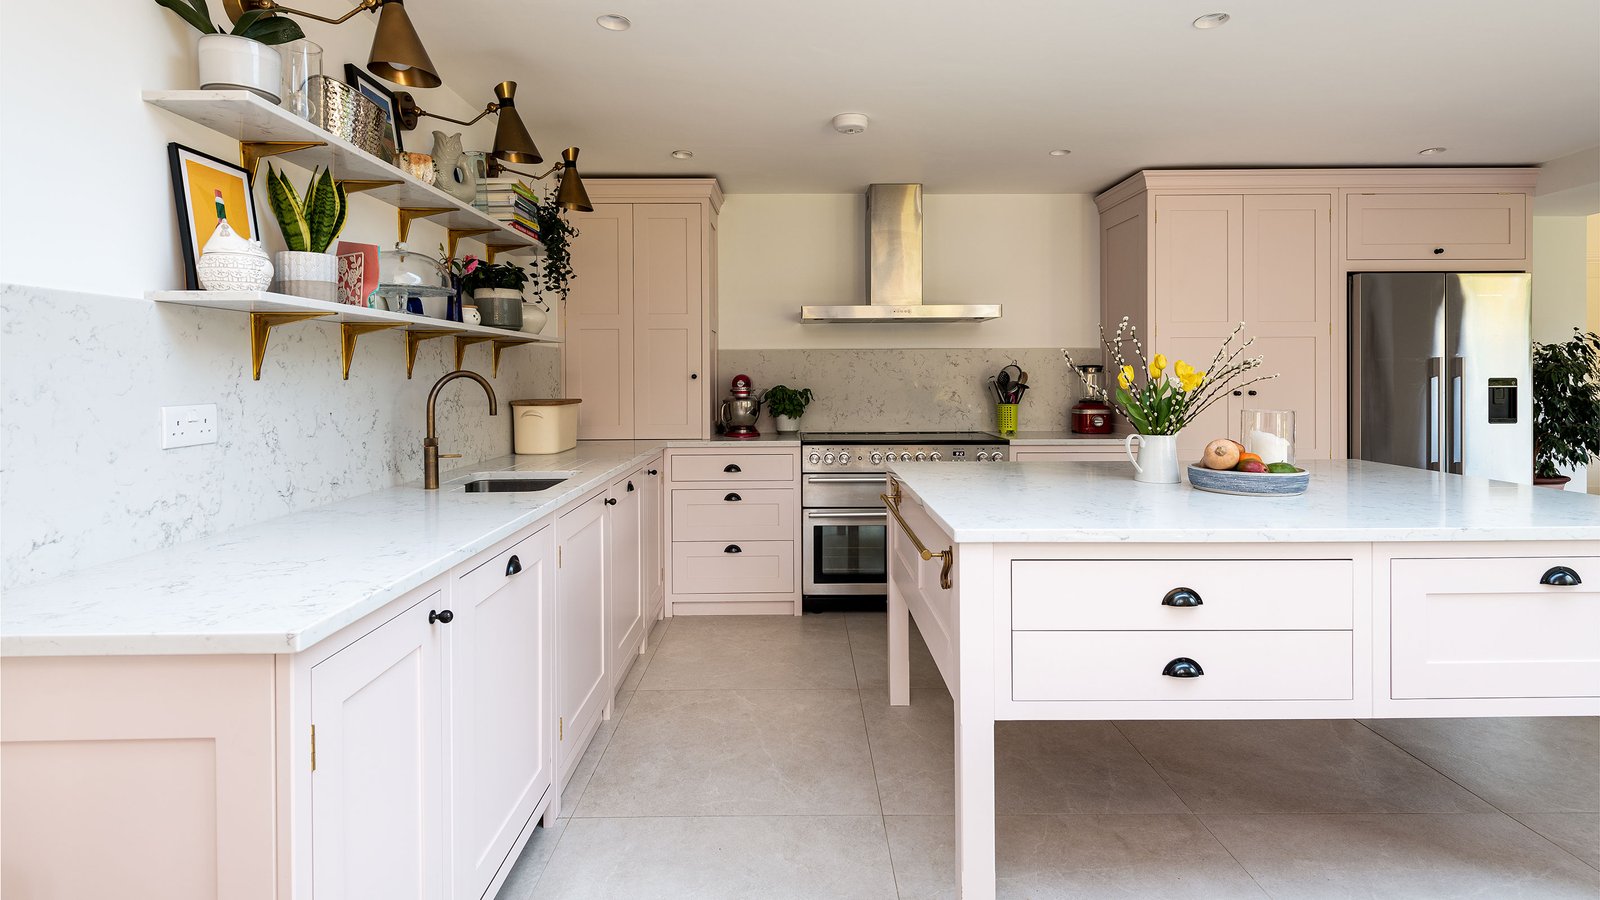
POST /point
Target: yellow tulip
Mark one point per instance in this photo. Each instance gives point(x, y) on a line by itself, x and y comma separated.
point(1191, 380)
point(1125, 377)
point(1158, 365)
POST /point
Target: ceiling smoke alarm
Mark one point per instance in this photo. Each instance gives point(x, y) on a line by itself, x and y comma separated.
point(850, 123)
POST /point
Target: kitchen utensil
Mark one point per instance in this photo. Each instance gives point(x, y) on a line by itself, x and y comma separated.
point(1005, 417)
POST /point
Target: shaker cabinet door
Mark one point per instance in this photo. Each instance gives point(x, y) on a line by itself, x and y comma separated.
point(625, 600)
point(1199, 265)
point(582, 685)
point(668, 310)
point(599, 353)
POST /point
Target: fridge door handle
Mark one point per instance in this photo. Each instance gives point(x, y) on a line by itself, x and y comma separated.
point(1457, 422)
point(1435, 376)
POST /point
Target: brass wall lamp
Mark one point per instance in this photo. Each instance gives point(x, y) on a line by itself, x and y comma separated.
point(397, 52)
point(512, 142)
point(570, 194)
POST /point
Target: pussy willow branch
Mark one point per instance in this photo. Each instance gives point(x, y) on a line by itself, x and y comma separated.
point(1239, 386)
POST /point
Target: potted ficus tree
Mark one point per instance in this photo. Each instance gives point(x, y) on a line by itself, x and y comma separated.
point(242, 58)
point(1566, 406)
point(496, 290)
point(787, 405)
point(309, 223)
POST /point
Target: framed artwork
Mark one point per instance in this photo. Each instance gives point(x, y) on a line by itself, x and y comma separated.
point(206, 189)
point(373, 89)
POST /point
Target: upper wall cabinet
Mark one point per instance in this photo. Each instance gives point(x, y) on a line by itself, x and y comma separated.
point(1436, 226)
point(641, 315)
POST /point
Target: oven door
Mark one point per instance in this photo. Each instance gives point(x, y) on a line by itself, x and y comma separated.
point(845, 551)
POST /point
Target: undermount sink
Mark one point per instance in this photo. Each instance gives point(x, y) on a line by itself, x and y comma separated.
point(511, 485)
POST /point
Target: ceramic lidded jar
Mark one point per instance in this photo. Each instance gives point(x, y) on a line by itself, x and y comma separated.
point(231, 263)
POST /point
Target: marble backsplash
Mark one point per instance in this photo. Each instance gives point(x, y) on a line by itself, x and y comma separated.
point(83, 378)
point(913, 390)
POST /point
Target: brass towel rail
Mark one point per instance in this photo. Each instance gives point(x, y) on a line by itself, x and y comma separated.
point(891, 501)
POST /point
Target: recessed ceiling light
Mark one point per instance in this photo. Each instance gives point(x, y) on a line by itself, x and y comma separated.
point(1431, 151)
point(1212, 20)
point(683, 154)
point(614, 22)
point(1059, 152)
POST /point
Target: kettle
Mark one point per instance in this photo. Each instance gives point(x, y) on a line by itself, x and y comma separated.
point(740, 411)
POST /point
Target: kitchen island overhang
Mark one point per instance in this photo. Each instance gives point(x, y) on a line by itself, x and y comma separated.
point(1076, 593)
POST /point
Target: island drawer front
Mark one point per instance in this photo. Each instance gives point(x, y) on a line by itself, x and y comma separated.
point(1463, 628)
point(713, 567)
point(1234, 594)
point(734, 514)
point(1236, 665)
point(743, 466)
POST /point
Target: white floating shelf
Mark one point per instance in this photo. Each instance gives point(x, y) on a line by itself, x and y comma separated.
point(245, 117)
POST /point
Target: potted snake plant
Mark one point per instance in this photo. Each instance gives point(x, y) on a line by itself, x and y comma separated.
point(243, 58)
point(309, 223)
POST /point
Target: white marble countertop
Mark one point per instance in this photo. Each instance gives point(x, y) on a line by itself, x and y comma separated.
point(1059, 438)
point(281, 585)
point(1347, 501)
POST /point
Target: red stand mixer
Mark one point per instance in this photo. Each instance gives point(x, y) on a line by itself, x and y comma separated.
point(740, 411)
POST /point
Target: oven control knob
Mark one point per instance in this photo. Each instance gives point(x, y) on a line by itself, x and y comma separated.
point(983, 456)
point(814, 458)
point(904, 456)
point(877, 458)
point(828, 459)
point(921, 456)
point(936, 456)
point(844, 457)
point(997, 457)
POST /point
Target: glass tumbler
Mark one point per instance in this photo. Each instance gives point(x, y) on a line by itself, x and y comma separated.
point(1268, 433)
point(302, 61)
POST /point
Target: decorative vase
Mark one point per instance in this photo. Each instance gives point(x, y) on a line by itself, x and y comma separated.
point(418, 166)
point(456, 176)
point(314, 276)
point(1157, 462)
point(786, 424)
point(499, 307)
point(231, 63)
point(231, 263)
point(469, 315)
point(533, 318)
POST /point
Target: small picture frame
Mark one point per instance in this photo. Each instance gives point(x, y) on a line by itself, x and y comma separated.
point(198, 179)
point(373, 89)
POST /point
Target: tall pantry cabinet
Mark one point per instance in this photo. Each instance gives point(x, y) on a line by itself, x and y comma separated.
point(641, 317)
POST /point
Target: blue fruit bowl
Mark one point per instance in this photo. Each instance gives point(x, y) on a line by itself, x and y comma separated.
point(1249, 484)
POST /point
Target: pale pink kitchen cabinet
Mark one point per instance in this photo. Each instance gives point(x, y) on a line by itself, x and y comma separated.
point(583, 687)
point(1437, 226)
point(625, 601)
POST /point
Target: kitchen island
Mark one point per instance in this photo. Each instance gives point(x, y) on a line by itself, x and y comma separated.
point(1051, 591)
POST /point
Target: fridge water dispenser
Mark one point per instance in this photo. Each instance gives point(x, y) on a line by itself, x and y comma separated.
point(1502, 401)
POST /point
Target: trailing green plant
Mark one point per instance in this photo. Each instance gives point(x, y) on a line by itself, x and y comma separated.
point(783, 400)
point(508, 276)
point(257, 24)
point(1566, 403)
point(309, 223)
point(556, 233)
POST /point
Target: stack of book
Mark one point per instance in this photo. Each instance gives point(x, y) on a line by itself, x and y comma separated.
point(512, 201)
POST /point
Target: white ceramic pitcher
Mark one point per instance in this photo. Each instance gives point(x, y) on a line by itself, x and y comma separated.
point(1157, 461)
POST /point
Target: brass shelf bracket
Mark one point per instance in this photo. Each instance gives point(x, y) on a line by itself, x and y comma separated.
point(455, 235)
point(357, 185)
point(415, 337)
point(261, 325)
point(409, 214)
point(891, 501)
point(494, 354)
point(492, 249)
point(463, 341)
point(251, 153)
point(349, 332)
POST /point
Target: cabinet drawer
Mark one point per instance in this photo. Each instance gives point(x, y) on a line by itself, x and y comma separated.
point(734, 467)
point(498, 570)
point(743, 567)
point(734, 514)
point(1235, 594)
point(1237, 665)
point(1488, 628)
point(1436, 226)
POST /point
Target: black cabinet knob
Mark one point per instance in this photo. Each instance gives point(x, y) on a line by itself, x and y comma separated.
point(733, 498)
point(630, 487)
point(732, 548)
point(611, 501)
point(443, 615)
point(1438, 250)
point(653, 472)
point(1183, 667)
point(1182, 597)
point(693, 376)
point(1561, 576)
point(1238, 393)
point(732, 467)
point(513, 566)
point(1251, 393)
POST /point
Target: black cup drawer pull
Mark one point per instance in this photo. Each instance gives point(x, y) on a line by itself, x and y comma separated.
point(1183, 667)
point(732, 548)
point(513, 566)
point(1561, 576)
point(630, 487)
point(732, 468)
point(733, 498)
point(1182, 597)
point(443, 615)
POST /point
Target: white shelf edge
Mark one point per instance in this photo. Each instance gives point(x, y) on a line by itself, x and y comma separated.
point(269, 302)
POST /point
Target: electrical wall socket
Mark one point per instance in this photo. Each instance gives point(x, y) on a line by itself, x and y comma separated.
point(186, 426)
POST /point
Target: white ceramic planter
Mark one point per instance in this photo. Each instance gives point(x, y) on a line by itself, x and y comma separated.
point(230, 63)
point(785, 424)
point(533, 318)
point(314, 276)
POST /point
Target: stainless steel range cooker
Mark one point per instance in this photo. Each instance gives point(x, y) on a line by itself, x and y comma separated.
point(846, 527)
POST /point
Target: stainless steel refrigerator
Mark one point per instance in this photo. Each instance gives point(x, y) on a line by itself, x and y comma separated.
point(1441, 372)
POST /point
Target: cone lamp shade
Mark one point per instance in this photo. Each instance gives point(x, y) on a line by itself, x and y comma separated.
point(571, 195)
point(512, 142)
point(397, 51)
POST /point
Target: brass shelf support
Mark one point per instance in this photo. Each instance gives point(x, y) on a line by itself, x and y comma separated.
point(409, 214)
point(455, 236)
point(416, 336)
point(251, 153)
point(261, 325)
point(891, 500)
point(463, 341)
point(493, 249)
point(349, 332)
point(494, 353)
point(357, 185)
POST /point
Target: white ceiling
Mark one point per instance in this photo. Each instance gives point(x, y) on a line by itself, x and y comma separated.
point(970, 97)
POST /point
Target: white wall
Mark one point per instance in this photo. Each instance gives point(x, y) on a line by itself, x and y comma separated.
point(1560, 248)
point(1037, 254)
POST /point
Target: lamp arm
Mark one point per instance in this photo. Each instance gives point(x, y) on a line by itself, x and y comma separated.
point(548, 172)
point(274, 7)
point(487, 110)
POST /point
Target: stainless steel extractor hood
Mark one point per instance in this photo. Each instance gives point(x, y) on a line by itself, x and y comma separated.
point(894, 268)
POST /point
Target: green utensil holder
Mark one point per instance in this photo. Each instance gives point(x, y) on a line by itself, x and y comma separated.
point(1005, 417)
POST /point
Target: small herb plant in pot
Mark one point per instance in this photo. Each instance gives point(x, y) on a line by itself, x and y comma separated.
point(787, 405)
point(1566, 406)
point(241, 59)
point(310, 223)
point(496, 290)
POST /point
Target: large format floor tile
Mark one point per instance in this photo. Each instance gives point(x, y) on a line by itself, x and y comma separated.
point(869, 645)
point(1041, 857)
point(1577, 833)
point(525, 872)
point(757, 752)
point(652, 644)
point(1312, 766)
point(710, 858)
point(579, 782)
point(752, 653)
point(1519, 765)
point(1402, 856)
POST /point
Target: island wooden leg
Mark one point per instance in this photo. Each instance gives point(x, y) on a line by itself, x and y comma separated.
point(975, 826)
point(899, 648)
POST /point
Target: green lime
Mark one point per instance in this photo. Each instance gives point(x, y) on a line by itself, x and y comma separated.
point(1281, 468)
